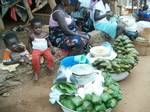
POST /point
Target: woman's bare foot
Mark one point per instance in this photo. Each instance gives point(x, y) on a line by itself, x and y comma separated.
point(35, 77)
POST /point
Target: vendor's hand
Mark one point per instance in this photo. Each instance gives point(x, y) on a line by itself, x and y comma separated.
point(109, 13)
point(85, 37)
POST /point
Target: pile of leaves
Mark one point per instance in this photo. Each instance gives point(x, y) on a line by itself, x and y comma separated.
point(66, 88)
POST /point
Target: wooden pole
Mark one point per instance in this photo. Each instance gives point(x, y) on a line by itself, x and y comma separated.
point(28, 9)
point(1, 23)
point(51, 3)
point(38, 7)
point(145, 2)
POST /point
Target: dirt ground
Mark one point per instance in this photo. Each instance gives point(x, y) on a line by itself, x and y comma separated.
point(33, 97)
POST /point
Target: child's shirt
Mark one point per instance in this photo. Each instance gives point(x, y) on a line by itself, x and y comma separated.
point(40, 42)
point(6, 55)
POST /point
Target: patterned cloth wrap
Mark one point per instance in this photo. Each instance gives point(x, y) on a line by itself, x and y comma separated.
point(66, 42)
point(83, 20)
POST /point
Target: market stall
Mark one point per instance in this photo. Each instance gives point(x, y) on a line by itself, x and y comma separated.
point(92, 91)
point(127, 58)
point(87, 83)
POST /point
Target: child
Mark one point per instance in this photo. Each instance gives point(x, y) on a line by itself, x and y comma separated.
point(15, 51)
point(40, 47)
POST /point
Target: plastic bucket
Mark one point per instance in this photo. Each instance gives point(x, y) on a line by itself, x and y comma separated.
point(73, 60)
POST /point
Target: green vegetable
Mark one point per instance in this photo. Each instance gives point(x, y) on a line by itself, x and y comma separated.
point(114, 64)
point(93, 110)
point(96, 63)
point(68, 104)
point(127, 41)
point(115, 94)
point(129, 46)
point(100, 108)
point(96, 99)
point(87, 105)
point(108, 81)
point(79, 109)
point(77, 101)
point(111, 103)
point(66, 87)
point(88, 97)
point(109, 91)
point(104, 64)
point(105, 97)
point(119, 97)
point(114, 87)
point(105, 89)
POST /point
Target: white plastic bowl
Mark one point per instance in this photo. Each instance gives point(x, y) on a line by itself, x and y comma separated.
point(111, 57)
point(84, 73)
point(65, 109)
point(120, 76)
point(100, 51)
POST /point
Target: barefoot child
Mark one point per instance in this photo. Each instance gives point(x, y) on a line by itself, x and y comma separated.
point(40, 48)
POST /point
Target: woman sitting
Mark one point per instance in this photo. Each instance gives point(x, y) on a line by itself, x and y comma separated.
point(63, 31)
point(102, 16)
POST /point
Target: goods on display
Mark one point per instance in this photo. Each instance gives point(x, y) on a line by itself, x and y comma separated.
point(127, 57)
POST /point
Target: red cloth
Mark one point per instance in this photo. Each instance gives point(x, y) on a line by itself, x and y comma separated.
point(13, 13)
point(36, 54)
point(30, 2)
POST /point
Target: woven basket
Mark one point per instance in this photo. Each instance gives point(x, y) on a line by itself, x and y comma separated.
point(96, 37)
point(143, 47)
point(145, 34)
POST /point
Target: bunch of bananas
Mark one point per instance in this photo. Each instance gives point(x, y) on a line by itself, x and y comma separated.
point(126, 59)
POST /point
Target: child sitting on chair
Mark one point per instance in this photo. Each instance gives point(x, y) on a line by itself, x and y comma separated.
point(40, 46)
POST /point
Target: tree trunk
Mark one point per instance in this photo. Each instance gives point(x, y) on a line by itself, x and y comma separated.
point(52, 3)
point(1, 23)
point(28, 9)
